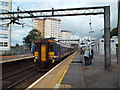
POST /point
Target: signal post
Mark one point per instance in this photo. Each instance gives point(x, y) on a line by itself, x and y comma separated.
point(119, 41)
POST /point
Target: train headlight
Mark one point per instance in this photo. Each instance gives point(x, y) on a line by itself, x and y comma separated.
point(36, 57)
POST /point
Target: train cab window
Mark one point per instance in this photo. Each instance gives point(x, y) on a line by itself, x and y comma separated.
point(36, 47)
point(51, 47)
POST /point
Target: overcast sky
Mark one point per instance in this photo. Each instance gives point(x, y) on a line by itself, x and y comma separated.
point(78, 25)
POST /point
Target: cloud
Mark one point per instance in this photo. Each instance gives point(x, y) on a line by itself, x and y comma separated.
point(78, 25)
point(18, 33)
point(65, 1)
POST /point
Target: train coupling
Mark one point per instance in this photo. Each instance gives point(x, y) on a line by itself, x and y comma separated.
point(36, 56)
point(35, 59)
point(53, 60)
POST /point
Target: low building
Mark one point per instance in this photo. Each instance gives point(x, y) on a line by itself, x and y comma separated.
point(99, 46)
point(65, 34)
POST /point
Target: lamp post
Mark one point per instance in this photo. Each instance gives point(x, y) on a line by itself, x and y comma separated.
point(79, 44)
point(90, 34)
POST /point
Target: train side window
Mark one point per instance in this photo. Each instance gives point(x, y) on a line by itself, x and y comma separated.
point(58, 47)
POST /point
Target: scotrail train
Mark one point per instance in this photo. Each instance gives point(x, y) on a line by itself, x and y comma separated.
point(48, 51)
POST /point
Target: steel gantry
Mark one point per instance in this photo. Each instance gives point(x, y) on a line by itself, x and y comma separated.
point(118, 27)
point(105, 10)
point(52, 13)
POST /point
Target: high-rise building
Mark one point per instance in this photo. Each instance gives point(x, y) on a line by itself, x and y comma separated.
point(48, 27)
point(5, 30)
point(65, 34)
point(39, 24)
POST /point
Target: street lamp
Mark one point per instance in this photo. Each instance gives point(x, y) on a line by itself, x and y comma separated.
point(91, 31)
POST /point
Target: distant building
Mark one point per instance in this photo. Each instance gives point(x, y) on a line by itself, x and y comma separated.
point(5, 30)
point(39, 24)
point(65, 34)
point(99, 45)
point(48, 27)
point(86, 43)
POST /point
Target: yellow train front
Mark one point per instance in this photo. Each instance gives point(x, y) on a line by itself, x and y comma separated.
point(47, 51)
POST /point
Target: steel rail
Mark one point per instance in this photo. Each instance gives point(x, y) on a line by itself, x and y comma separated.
point(30, 75)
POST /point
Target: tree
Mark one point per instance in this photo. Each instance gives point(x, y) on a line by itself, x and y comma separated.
point(17, 45)
point(33, 35)
point(114, 32)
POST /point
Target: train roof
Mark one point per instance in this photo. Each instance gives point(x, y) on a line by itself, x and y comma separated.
point(64, 45)
point(45, 39)
point(52, 40)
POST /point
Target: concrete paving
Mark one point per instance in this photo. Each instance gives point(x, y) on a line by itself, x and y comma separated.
point(3, 58)
point(92, 76)
point(74, 74)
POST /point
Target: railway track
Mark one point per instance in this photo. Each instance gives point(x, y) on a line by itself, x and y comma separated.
point(15, 73)
point(20, 75)
point(16, 79)
point(10, 66)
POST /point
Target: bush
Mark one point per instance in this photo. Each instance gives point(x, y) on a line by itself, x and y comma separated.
point(6, 53)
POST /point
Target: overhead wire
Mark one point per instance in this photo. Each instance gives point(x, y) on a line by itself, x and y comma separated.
point(21, 8)
point(49, 3)
point(23, 24)
point(24, 10)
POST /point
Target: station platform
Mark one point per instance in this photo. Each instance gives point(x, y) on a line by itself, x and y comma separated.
point(72, 74)
point(92, 76)
point(14, 57)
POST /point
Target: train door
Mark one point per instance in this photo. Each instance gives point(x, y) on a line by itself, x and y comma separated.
point(43, 52)
point(56, 51)
point(51, 51)
point(36, 52)
point(40, 52)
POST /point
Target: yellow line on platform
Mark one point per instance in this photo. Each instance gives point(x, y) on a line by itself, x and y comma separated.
point(55, 75)
point(65, 86)
point(63, 75)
